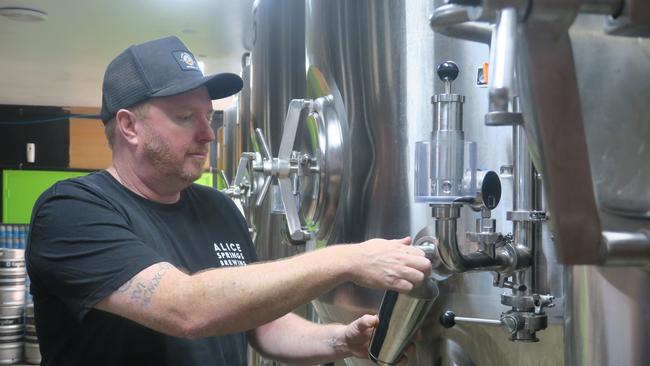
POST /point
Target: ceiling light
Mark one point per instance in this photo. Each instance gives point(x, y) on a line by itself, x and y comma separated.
point(23, 14)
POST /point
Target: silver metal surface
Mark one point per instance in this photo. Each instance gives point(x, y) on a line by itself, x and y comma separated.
point(463, 319)
point(377, 55)
point(285, 169)
point(236, 158)
point(606, 309)
point(323, 138)
point(607, 322)
point(13, 310)
point(616, 124)
point(456, 261)
point(501, 118)
point(503, 56)
point(308, 174)
point(277, 76)
point(12, 281)
point(453, 20)
point(243, 141)
point(627, 248)
point(381, 59)
point(523, 232)
point(11, 353)
point(400, 317)
point(554, 124)
point(362, 49)
point(230, 153)
point(32, 353)
point(544, 31)
point(378, 62)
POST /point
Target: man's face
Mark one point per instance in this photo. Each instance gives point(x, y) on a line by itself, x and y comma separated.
point(176, 134)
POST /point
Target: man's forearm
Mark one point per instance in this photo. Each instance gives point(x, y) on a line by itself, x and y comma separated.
point(238, 299)
point(295, 340)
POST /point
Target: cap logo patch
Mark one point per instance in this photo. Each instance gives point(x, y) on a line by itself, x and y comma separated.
point(186, 61)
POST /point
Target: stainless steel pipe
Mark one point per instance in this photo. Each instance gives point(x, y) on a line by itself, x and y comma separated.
point(452, 20)
point(449, 251)
point(626, 248)
point(503, 56)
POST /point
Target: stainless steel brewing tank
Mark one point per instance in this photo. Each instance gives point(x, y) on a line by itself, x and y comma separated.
point(361, 48)
point(277, 76)
point(381, 56)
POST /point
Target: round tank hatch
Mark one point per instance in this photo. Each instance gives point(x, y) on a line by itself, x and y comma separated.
point(321, 141)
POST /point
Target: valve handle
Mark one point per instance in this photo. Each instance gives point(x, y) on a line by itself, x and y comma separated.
point(448, 71)
point(491, 190)
point(263, 191)
point(263, 145)
point(448, 319)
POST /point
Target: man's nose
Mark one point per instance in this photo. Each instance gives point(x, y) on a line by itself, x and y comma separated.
point(205, 134)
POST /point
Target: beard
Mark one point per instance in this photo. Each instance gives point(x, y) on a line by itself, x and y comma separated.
point(166, 162)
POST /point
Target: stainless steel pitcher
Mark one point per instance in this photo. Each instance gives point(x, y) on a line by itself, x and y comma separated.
point(400, 316)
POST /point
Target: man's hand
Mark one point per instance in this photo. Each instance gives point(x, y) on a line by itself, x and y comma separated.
point(357, 336)
point(388, 264)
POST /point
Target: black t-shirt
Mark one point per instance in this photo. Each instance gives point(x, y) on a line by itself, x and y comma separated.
point(90, 235)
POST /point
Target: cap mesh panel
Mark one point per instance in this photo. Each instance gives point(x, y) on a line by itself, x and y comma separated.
point(126, 86)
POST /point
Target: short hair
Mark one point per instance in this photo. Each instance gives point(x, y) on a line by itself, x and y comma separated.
point(140, 110)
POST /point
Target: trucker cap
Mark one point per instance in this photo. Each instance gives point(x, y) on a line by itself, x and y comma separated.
point(158, 68)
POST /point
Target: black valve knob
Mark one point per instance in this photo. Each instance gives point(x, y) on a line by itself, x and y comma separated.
point(448, 71)
point(448, 319)
point(491, 190)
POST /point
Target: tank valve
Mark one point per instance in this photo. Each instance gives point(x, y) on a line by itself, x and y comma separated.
point(522, 326)
point(448, 319)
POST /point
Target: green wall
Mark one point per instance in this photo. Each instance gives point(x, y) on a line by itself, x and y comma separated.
point(21, 189)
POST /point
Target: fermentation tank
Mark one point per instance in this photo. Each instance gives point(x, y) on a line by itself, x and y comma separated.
point(537, 277)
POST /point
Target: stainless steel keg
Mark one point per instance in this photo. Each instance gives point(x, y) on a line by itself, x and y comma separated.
point(32, 349)
point(12, 330)
point(12, 278)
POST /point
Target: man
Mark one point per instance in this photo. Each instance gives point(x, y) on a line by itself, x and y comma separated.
point(124, 262)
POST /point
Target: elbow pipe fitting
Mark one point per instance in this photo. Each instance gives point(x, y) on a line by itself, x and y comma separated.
point(507, 259)
point(453, 21)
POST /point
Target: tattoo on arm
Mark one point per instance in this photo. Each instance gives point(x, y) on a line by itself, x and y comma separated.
point(142, 292)
point(125, 287)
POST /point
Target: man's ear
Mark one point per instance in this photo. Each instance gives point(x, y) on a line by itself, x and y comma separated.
point(125, 123)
